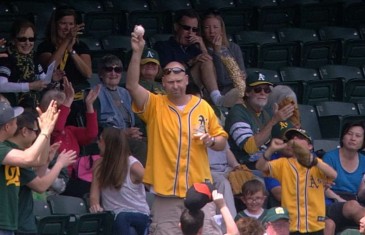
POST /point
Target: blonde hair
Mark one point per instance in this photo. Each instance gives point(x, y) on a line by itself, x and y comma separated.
point(211, 15)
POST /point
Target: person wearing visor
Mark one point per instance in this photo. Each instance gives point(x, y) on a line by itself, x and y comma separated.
point(249, 125)
point(302, 187)
point(180, 128)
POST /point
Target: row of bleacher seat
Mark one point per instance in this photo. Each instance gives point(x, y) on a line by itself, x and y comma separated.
point(103, 17)
point(326, 83)
point(70, 215)
point(324, 120)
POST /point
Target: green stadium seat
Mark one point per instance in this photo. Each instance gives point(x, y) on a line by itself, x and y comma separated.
point(309, 120)
point(171, 5)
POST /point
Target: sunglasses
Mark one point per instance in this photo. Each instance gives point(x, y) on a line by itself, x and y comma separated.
point(174, 70)
point(24, 39)
point(115, 69)
point(188, 28)
point(267, 90)
point(33, 129)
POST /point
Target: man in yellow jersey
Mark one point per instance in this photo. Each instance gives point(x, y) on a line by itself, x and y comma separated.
point(180, 128)
point(302, 188)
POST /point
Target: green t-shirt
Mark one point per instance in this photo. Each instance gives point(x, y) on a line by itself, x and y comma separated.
point(26, 216)
point(9, 189)
point(242, 123)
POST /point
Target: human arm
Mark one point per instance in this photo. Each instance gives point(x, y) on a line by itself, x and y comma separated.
point(41, 184)
point(361, 190)
point(232, 161)
point(332, 195)
point(137, 172)
point(95, 191)
point(217, 143)
point(69, 92)
point(42, 170)
point(30, 156)
point(227, 217)
point(91, 97)
point(6, 86)
point(138, 93)
point(326, 169)
point(82, 63)
point(262, 163)
point(279, 115)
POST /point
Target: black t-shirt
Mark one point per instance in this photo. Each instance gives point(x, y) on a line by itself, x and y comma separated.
point(73, 74)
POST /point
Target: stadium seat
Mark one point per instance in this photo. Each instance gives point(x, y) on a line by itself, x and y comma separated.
point(338, 33)
point(340, 71)
point(353, 53)
point(256, 3)
point(354, 90)
point(333, 115)
point(314, 89)
point(85, 6)
point(202, 5)
point(92, 42)
point(85, 223)
point(261, 49)
point(171, 5)
point(153, 22)
point(158, 37)
point(325, 145)
point(118, 45)
point(309, 120)
point(296, 2)
point(360, 104)
point(272, 75)
point(354, 14)
point(101, 24)
point(313, 52)
point(41, 10)
point(129, 6)
point(237, 19)
point(47, 223)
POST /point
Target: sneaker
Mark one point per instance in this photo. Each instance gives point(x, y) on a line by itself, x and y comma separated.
point(229, 99)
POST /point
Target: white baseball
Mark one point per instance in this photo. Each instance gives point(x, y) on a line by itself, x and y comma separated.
point(139, 30)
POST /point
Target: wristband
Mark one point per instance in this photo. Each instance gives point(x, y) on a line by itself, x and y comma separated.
point(45, 135)
point(263, 156)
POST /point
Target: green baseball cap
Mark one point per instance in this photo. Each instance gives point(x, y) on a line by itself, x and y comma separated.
point(280, 128)
point(275, 213)
point(150, 55)
point(292, 131)
point(256, 78)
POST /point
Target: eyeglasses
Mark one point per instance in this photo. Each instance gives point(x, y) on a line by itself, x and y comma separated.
point(115, 69)
point(256, 199)
point(267, 90)
point(188, 28)
point(33, 129)
point(175, 70)
point(24, 39)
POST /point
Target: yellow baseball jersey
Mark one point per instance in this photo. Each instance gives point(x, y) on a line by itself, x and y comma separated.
point(302, 194)
point(175, 158)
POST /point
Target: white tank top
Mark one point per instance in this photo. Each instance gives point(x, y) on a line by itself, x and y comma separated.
point(129, 198)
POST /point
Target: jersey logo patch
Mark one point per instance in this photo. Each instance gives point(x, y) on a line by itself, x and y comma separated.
point(321, 218)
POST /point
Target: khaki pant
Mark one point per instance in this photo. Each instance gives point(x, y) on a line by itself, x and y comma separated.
point(166, 212)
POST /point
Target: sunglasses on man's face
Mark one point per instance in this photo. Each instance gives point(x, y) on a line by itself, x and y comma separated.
point(24, 39)
point(175, 70)
point(115, 69)
point(188, 28)
point(267, 90)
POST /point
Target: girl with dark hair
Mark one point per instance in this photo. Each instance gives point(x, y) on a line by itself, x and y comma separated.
point(62, 45)
point(343, 207)
point(117, 184)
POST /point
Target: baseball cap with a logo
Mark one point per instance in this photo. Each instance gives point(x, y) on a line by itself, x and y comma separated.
point(7, 112)
point(150, 55)
point(256, 78)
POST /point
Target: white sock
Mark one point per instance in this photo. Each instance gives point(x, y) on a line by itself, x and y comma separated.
point(216, 97)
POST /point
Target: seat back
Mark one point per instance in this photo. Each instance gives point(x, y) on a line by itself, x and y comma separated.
point(309, 120)
point(297, 35)
point(298, 74)
point(340, 71)
point(338, 33)
point(48, 223)
point(335, 108)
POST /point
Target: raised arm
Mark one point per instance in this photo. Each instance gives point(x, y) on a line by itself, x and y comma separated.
point(227, 217)
point(95, 191)
point(29, 157)
point(138, 93)
point(41, 184)
point(262, 163)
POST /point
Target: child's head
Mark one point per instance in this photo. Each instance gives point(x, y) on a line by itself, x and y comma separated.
point(253, 195)
point(248, 225)
point(191, 222)
point(50, 95)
